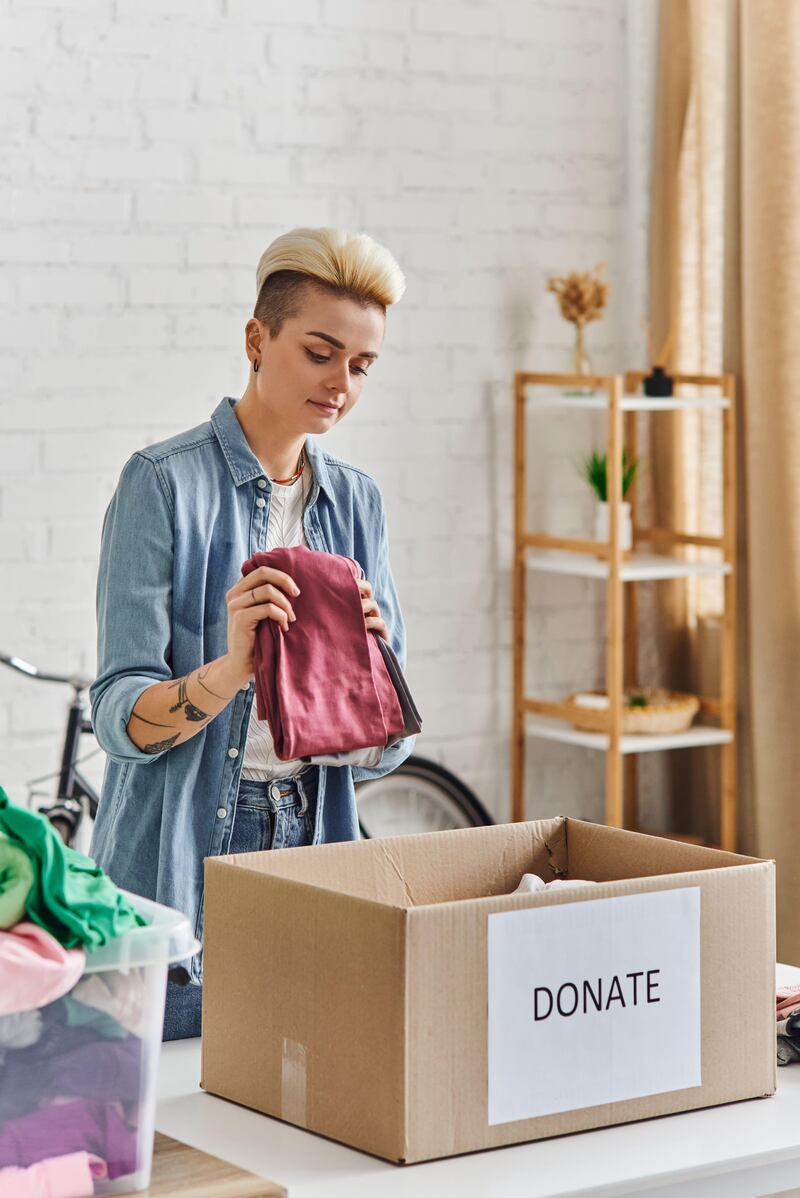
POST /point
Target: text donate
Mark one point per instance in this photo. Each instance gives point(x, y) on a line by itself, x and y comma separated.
point(573, 998)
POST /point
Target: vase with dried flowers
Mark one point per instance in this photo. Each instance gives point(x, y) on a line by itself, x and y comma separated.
point(582, 298)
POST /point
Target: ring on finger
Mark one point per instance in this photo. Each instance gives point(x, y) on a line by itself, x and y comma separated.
point(253, 594)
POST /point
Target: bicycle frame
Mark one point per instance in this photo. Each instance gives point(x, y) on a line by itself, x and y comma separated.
point(75, 793)
point(71, 782)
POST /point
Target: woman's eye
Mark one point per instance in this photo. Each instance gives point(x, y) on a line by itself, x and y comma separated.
point(321, 358)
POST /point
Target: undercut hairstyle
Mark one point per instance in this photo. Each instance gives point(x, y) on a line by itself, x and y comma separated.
point(351, 265)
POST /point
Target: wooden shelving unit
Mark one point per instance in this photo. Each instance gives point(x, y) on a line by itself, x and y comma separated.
point(620, 397)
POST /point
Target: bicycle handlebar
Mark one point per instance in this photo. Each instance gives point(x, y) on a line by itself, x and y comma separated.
point(76, 681)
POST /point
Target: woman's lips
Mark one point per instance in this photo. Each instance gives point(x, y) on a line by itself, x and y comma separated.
point(328, 408)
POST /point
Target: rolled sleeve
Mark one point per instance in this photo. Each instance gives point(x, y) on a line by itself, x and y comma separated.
point(134, 603)
point(390, 760)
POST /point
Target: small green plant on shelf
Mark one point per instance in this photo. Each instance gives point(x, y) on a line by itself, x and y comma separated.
point(594, 470)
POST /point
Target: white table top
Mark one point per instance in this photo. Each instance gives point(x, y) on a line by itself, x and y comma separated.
point(740, 1150)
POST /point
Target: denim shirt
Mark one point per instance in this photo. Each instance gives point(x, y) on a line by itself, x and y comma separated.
point(186, 514)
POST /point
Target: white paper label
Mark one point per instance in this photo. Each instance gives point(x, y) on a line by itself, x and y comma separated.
point(593, 1002)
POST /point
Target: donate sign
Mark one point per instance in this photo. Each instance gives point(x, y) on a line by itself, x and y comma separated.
point(593, 1002)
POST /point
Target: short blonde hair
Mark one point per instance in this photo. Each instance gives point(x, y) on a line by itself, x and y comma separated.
point(347, 264)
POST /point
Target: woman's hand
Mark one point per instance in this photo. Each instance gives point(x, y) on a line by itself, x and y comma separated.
point(261, 595)
point(372, 614)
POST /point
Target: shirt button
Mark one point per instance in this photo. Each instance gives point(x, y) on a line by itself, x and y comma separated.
point(222, 812)
point(233, 752)
point(262, 482)
point(261, 502)
point(246, 687)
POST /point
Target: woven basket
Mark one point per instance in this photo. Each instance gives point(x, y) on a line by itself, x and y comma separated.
point(666, 711)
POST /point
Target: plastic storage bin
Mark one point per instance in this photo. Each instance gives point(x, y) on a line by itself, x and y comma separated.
point(88, 1079)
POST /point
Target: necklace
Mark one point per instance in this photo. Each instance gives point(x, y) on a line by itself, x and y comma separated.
point(301, 462)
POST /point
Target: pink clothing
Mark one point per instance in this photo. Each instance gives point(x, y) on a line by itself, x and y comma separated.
point(71, 1176)
point(322, 685)
point(787, 1000)
point(34, 968)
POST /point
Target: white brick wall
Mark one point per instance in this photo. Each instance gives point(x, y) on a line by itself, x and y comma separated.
point(152, 150)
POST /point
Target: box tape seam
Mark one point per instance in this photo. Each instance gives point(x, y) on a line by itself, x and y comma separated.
point(293, 1082)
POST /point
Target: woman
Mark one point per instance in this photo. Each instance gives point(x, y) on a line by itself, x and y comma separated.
point(191, 772)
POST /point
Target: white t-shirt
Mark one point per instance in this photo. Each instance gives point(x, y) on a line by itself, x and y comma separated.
point(284, 531)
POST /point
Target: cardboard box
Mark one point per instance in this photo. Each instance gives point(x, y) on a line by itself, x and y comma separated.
point(394, 995)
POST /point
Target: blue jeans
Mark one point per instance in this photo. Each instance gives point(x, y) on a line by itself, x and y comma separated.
point(268, 815)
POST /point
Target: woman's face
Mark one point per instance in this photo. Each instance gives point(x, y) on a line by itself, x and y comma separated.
point(312, 374)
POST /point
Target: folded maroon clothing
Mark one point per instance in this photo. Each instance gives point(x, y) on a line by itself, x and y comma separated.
point(322, 686)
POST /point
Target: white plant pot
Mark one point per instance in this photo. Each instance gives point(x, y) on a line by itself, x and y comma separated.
point(601, 524)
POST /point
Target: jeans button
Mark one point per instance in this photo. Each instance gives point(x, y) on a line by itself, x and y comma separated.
point(275, 791)
point(222, 812)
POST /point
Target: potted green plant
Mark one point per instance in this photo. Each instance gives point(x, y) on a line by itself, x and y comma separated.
point(594, 470)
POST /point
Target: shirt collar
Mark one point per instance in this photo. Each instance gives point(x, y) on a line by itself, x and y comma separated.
point(243, 463)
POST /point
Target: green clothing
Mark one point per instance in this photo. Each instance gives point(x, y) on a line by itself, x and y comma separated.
point(16, 881)
point(70, 897)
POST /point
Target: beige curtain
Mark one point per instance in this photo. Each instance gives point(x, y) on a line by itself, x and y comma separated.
point(686, 311)
point(667, 483)
point(731, 191)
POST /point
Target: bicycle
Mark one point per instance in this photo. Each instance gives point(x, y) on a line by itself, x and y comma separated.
point(75, 795)
point(419, 796)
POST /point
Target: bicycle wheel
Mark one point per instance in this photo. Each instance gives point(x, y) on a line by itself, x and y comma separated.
point(419, 796)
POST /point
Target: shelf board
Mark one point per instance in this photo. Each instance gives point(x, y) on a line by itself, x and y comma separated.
point(640, 567)
point(698, 735)
point(598, 401)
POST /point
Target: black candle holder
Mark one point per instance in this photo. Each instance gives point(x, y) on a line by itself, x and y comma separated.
point(658, 383)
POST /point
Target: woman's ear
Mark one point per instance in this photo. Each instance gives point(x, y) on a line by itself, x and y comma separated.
point(253, 333)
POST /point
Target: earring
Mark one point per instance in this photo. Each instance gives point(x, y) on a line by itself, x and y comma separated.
point(255, 367)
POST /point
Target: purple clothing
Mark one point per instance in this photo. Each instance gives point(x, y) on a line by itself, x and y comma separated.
point(322, 685)
point(107, 1069)
point(77, 1126)
point(77, 1067)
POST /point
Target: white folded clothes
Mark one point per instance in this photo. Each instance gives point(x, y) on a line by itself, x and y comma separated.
point(530, 883)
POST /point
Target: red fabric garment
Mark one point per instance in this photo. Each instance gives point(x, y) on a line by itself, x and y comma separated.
point(322, 686)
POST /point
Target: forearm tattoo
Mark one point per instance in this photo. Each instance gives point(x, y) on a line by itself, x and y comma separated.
point(192, 713)
point(190, 710)
point(157, 746)
point(201, 675)
point(160, 745)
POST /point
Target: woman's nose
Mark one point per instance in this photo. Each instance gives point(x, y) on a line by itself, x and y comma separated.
point(339, 380)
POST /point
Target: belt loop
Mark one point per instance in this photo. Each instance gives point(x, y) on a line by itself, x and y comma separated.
point(303, 797)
